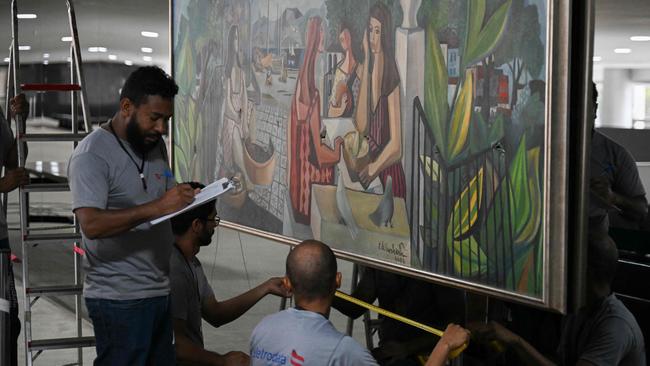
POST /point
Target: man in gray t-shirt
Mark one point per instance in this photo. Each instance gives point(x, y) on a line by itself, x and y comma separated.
point(304, 336)
point(191, 294)
point(604, 332)
point(120, 180)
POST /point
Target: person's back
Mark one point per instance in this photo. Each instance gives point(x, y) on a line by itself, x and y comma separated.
point(306, 338)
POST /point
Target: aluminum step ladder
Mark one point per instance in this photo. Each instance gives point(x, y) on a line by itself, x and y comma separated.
point(32, 236)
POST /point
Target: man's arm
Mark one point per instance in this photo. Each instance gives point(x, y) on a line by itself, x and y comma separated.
point(100, 223)
point(218, 313)
point(189, 353)
point(365, 291)
point(493, 331)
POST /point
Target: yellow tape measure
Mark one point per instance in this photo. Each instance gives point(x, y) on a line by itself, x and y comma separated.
point(453, 354)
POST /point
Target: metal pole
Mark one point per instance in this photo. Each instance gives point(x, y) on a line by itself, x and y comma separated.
point(581, 111)
point(5, 306)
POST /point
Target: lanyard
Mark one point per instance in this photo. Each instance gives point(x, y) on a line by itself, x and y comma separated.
point(144, 157)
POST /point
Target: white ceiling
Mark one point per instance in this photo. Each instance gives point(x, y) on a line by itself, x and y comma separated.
point(116, 25)
point(616, 22)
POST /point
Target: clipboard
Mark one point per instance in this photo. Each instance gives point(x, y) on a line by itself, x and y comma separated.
point(210, 192)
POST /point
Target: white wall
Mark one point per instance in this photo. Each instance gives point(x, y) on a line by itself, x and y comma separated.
point(615, 105)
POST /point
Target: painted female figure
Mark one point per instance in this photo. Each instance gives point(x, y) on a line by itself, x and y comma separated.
point(346, 84)
point(235, 111)
point(310, 161)
point(378, 115)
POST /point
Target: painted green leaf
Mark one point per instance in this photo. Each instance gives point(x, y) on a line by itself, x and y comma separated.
point(489, 36)
point(466, 208)
point(185, 72)
point(529, 230)
point(435, 89)
point(430, 166)
point(519, 194)
point(468, 258)
point(475, 15)
point(497, 130)
point(461, 117)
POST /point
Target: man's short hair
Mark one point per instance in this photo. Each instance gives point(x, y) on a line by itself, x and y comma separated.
point(182, 222)
point(148, 80)
point(602, 258)
point(311, 268)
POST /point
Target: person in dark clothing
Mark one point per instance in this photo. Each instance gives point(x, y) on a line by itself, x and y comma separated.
point(399, 343)
point(604, 332)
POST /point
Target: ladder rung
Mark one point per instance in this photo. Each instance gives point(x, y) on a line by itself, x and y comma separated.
point(46, 137)
point(51, 237)
point(51, 87)
point(61, 343)
point(57, 290)
point(46, 187)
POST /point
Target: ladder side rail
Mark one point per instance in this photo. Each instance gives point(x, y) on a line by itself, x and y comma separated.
point(15, 66)
point(77, 57)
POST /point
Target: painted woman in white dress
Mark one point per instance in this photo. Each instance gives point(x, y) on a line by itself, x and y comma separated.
point(236, 115)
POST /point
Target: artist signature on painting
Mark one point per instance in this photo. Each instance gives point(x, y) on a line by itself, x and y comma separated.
point(396, 251)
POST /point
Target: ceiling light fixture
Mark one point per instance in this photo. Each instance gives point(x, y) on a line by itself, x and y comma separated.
point(27, 16)
point(46, 55)
point(147, 58)
point(128, 62)
point(24, 48)
point(639, 125)
point(112, 57)
point(97, 49)
point(45, 62)
point(6, 59)
point(146, 49)
point(640, 38)
point(66, 39)
point(149, 34)
point(622, 50)
point(597, 58)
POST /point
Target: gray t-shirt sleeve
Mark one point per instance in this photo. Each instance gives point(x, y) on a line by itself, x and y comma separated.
point(180, 287)
point(609, 342)
point(349, 352)
point(627, 181)
point(88, 175)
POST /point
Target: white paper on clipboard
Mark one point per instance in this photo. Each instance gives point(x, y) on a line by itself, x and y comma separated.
point(210, 192)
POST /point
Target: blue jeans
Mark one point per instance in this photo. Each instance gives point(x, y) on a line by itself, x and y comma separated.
point(132, 332)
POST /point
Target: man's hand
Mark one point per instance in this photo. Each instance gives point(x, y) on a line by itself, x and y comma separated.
point(176, 198)
point(13, 179)
point(274, 286)
point(236, 358)
point(19, 105)
point(493, 331)
point(600, 187)
point(455, 336)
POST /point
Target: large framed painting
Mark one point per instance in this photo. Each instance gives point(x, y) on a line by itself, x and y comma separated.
point(423, 137)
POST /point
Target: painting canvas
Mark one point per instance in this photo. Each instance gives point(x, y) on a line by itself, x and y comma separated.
point(412, 134)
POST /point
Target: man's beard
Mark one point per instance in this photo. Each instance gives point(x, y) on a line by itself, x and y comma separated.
point(206, 238)
point(137, 139)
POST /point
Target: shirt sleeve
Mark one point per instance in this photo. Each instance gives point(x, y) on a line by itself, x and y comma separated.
point(180, 286)
point(627, 181)
point(349, 352)
point(88, 175)
point(608, 343)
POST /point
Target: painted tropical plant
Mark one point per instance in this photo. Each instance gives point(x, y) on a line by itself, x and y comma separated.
point(491, 218)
